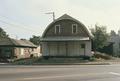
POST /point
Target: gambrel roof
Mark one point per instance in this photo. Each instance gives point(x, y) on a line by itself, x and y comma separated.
point(65, 16)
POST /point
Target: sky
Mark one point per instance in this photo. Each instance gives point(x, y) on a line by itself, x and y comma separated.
point(24, 18)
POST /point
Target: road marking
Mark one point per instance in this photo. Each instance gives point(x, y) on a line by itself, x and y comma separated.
point(114, 73)
point(63, 76)
point(49, 77)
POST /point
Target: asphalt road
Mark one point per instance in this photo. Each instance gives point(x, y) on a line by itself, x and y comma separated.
point(60, 73)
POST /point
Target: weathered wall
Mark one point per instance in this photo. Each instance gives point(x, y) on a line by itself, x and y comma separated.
point(66, 29)
point(22, 52)
point(66, 48)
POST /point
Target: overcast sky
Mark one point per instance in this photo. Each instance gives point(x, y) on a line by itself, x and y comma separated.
point(24, 18)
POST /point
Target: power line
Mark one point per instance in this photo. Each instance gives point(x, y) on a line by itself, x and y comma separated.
point(17, 26)
point(23, 26)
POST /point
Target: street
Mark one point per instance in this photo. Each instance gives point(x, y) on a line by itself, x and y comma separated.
point(60, 73)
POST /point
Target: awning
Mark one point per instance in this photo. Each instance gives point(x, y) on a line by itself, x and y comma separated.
point(50, 39)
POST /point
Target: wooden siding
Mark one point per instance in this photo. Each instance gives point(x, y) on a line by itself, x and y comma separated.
point(66, 48)
point(66, 29)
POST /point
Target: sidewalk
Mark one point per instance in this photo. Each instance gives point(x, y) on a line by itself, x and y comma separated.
point(4, 63)
point(109, 62)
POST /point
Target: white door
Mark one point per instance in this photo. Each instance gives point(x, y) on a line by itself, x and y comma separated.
point(74, 49)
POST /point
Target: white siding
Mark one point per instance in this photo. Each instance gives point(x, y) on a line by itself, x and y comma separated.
point(88, 48)
point(45, 50)
point(61, 49)
point(72, 49)
point(52, 49)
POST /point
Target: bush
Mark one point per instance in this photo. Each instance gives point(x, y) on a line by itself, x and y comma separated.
point(102, 55)
point(25, 61)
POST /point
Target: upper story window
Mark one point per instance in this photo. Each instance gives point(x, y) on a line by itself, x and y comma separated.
point(74, 28)
point(57, 29)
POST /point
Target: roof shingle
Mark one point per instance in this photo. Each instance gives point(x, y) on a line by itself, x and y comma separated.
point(14, 42)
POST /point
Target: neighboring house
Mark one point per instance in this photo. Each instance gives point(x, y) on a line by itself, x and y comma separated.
point(36, 51)
point(12, 48)
point(115, 39)
point(66, 37)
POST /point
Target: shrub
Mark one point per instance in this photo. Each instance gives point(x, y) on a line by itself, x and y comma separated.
point(102, 55)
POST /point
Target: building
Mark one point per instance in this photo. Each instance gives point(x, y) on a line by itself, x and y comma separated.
point(15, 49)
point(66, 37)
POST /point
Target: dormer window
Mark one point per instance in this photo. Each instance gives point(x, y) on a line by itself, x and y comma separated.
point(74, 28)
point(57, 29)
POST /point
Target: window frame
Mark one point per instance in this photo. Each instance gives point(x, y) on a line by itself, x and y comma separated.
point(59, 29)
point(73, 28)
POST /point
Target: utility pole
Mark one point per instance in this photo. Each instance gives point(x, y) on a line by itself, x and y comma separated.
point(53, 14)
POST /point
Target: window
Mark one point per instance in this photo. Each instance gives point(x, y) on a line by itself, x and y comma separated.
point(32, 49)
point(74, 28)
point(82, 45)
point(57, 29)
point(22, 51)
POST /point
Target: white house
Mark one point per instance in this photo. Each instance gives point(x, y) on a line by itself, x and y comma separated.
point(66, 37)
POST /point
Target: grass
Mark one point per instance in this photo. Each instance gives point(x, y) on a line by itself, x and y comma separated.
point(25, 61)
point(31, 61)
point(40, 60)
point(61, 60)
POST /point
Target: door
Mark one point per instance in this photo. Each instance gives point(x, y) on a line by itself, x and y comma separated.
point(74, 49)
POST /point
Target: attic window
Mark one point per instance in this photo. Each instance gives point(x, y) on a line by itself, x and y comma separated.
point(74, 28)
point(57, 29)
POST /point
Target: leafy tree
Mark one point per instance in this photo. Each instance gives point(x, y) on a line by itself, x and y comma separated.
point(3, 33)
point(100, 37)
point(35, 40)
point(113, 33)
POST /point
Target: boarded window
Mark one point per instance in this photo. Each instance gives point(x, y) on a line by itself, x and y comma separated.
point(57, 29)
point(74, 28)
point(82, 45)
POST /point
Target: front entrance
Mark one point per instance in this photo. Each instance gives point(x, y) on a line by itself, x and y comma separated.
point(65, 49)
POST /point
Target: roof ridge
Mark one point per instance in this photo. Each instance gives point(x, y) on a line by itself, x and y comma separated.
point(11, 41)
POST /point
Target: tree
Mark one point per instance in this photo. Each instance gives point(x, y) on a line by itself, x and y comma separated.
point(35, 40)
point(113, 33)
point(100, 37)
point(3, 34)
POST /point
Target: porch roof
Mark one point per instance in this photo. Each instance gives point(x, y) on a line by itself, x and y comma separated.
point(50, 39)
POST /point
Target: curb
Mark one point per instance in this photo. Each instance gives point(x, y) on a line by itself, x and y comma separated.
point(71, 64)
point(58, 64)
